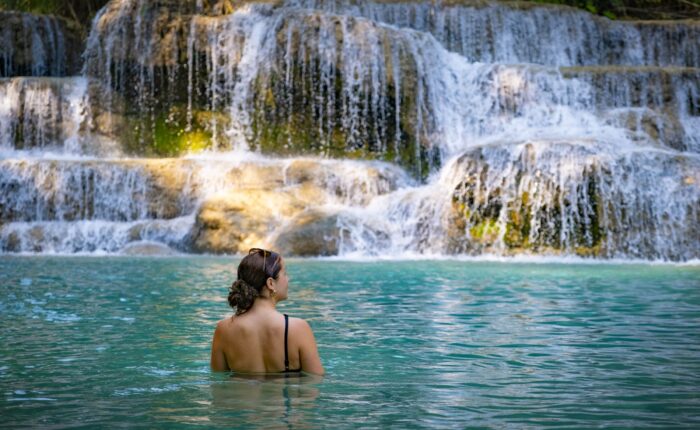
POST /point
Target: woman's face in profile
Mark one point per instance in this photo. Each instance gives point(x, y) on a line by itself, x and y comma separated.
point(282, 282)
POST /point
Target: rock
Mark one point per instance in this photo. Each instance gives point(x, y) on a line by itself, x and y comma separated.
point(281, 205)
point(311, 233)
point(241, 219)
point(55, 112)
point(522, 211)
point(172, 51)
point(378, 122)
point(13, 243)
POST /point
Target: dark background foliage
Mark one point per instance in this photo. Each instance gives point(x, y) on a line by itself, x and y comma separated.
point(637, 9)
point(82, 11)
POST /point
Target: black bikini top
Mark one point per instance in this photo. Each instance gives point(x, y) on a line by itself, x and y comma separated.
point(286, 354)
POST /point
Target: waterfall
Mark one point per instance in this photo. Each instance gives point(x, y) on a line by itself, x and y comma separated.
point(43, 113)
point(59, 205)
point(499, 128)
point(494, 32)
point(36, 46)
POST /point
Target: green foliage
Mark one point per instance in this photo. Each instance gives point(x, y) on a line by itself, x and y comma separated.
point(80, 11)
point(591, 7)
point(635, 9)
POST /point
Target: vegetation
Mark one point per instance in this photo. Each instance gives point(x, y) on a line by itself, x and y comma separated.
point(80, 11)
point(636, 9)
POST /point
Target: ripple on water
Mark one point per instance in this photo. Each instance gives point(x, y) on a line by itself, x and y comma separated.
point(145, 390)
point(494, 345)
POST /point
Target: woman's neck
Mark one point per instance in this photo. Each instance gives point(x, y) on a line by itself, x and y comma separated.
point(264, 304)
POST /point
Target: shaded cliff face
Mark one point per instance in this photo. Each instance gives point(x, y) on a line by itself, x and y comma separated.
point(56, 115)
point(504, 128)
point(38, 45)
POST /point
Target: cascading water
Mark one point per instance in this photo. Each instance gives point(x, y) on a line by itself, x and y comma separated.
point(36, 46)
point(586, 144)
point(42, 113)
point(516, 32)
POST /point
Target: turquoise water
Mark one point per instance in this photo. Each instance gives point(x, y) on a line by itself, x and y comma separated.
point(88, 341)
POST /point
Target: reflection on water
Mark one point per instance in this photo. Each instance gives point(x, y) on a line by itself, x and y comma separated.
point(270, 401)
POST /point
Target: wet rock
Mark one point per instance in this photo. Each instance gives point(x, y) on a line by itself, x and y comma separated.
point(311, 233)
point(60, 114)
point(241, 219)
point(655, 103)
point(580, 198)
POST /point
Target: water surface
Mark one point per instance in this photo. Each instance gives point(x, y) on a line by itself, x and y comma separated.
point(406, 344)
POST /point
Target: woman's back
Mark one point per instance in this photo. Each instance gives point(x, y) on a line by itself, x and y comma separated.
point(259, 339)
point(255, 344)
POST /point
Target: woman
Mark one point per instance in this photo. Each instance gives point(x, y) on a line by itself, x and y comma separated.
point(259, 339)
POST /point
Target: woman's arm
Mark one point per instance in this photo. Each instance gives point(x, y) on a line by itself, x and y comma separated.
point(308, 352)
point(218, 359)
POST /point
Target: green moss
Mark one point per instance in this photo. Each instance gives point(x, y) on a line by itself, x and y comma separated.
point(518, 226)
point(168, 134)
point(486, 231)
point(589, 251)
point(173, 139)
point(512, 237)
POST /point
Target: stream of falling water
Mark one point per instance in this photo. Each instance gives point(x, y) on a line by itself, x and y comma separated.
point(585, 145)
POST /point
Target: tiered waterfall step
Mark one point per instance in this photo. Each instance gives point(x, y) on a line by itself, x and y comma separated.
point(205, 205)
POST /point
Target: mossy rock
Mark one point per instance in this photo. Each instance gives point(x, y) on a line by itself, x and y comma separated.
point(300, 105)
point(493, 219)
point(174, 132)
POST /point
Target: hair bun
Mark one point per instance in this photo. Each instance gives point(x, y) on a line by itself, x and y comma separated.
point(241, 296)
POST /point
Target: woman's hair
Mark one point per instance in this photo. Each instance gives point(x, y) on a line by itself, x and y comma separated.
point(253, 272)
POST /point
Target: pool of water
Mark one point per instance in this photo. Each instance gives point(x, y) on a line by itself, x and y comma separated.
point(107, 341)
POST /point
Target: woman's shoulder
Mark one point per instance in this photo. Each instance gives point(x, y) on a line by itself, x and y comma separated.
point(297, 321)
point(223, 322)
point(225, 325)
point(300, 326)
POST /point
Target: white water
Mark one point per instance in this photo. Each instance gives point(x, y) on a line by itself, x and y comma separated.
point(548, 35)
point(616, 144)
point(102, 205)
point(45, 114)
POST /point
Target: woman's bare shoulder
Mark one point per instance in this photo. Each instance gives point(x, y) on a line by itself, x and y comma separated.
point(225, 321)
point(298, 322)
point(300, 326)
point(225, 324)
point(308, 351)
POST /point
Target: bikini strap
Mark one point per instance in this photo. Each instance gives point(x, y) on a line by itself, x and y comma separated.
point(286, 355)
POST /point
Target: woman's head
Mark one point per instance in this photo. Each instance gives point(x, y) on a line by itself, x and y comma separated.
point(261, 273)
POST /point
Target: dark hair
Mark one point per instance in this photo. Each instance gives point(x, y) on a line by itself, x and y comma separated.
point(253, 272)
